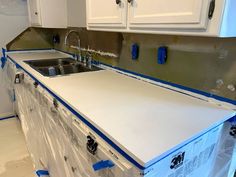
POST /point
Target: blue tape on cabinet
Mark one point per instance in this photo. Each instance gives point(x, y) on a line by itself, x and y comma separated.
point(103, 165)
point(4, 52)
point(42, 173)
point(233, 120)
point(3, 62)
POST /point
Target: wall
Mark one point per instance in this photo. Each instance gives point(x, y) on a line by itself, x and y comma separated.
point(13, 18)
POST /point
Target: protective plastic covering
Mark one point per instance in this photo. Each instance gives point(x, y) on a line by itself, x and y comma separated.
point(57, 141)
point(225, 164)
point(13, 7)
point(8, 78)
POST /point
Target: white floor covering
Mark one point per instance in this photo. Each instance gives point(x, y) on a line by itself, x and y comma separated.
point(15, 160)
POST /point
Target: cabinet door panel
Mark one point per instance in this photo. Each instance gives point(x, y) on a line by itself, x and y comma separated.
point(106, 13)
point(169, 14)
point(34, 12)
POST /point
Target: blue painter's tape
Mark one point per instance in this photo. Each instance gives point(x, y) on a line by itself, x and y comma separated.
point(162, 55)
point(42, 173)
point(3, 62)
point(233, 120)
point(97, 131)
point(135, 51)
point(103, 165)
point(4, 52)
point(6, 118)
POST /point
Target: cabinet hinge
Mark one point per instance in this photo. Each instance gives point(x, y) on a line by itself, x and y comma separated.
point(211, 9)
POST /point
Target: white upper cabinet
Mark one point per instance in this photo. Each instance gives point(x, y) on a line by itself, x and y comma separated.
point(107, 13)
point(168, 14)
point(34, 12)
point(48, 13)
point(179, 17)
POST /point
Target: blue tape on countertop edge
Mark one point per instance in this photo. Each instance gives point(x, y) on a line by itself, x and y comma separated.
point(42, 173)
point(233, 119)
point(111, 143)
point(6, 118)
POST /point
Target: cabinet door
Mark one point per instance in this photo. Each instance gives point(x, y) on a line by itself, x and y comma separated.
point(186, 14)
point(34, 12)
point(106, 13)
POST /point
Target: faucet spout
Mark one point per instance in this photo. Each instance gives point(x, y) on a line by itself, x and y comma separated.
point(79, 42)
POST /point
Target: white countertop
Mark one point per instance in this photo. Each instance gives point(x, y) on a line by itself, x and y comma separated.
point(143, 119)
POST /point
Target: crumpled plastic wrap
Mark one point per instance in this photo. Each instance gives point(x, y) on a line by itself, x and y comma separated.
point(13, 7)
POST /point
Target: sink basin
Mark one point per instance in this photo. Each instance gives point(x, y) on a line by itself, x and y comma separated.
point(59, 66)
point(51, 62)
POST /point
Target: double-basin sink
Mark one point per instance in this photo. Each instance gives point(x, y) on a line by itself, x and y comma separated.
point(59, 66)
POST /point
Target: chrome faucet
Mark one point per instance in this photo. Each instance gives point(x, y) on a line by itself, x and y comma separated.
point(79, 57)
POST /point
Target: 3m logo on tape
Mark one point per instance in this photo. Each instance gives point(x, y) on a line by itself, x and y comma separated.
point(177, 160)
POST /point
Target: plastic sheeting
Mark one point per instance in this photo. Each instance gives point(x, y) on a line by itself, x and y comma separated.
point(8, 78)
point(225, 163)
point(51, 138)
point(57, 141)
point(13, 7)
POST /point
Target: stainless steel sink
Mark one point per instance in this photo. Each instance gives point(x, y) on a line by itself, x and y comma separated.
point(59, 66)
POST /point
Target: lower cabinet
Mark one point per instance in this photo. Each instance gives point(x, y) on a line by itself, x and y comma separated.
point(61, 143)
point(57, 139)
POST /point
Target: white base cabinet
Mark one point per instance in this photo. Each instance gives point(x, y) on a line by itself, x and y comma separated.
point(182, 17)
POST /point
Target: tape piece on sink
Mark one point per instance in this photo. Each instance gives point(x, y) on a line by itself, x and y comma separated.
point(103, 164)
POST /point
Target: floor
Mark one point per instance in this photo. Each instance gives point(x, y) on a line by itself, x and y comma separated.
point(14, 158)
